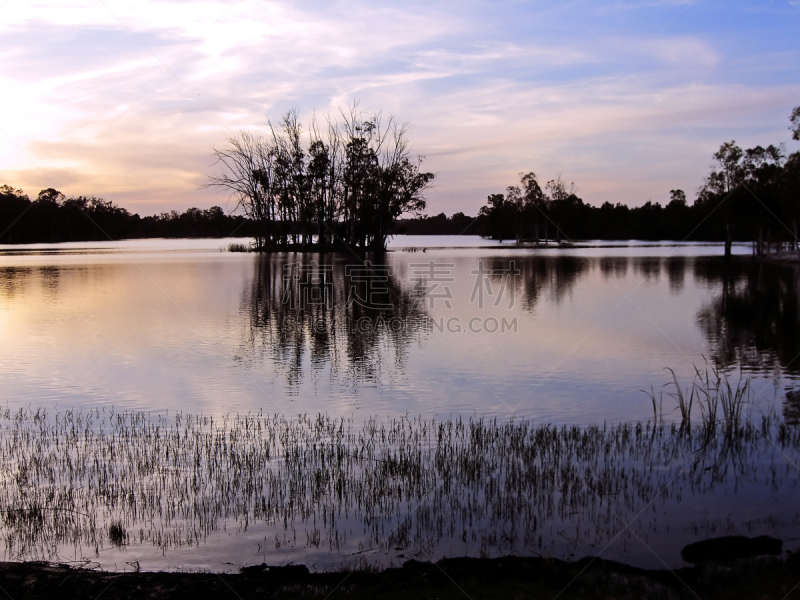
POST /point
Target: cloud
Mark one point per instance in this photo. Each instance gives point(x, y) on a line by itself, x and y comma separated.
point(685, 52)
point(490, 90)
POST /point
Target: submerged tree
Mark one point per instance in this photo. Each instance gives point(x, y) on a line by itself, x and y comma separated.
point(347, 185)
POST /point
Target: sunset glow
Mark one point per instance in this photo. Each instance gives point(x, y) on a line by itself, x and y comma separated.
point(127, 99)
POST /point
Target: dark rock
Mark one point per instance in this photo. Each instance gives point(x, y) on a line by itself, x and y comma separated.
point(254, 569)
point(730, 548)
point(283, 572)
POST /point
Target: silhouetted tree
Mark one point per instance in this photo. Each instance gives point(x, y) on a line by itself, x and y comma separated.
point(351, 183)
point(751, 194)
point(794, 119)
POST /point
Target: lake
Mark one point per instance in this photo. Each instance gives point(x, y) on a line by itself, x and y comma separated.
point(444, 333)
point(157, 324)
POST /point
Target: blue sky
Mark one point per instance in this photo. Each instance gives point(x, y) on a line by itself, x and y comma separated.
point(627, 99)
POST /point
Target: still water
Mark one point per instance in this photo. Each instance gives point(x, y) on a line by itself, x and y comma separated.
point(366, 410)
point(568, 336)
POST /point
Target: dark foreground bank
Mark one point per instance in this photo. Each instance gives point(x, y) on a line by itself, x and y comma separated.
point(509, 577)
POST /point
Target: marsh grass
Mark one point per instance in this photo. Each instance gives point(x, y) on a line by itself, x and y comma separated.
point(78, 481)
point(722, 404)
point(684, 403)
point(240, 247)
point(658, 405)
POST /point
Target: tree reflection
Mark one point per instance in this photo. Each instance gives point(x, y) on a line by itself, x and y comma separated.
point(541, 277)
point(676, 272)
point(791, 407)
point(309, 313)
point(312, 311)
point(754, 319)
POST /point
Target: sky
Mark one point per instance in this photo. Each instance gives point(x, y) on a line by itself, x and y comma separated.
point(627, 99)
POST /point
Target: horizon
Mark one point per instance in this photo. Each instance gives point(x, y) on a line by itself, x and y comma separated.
point(628, 100)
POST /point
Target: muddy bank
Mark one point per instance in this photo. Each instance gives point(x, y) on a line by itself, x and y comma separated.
point(509, 577)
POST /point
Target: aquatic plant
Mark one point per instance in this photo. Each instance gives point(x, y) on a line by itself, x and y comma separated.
point(74, 482)
point(684, 404)
point(715, 389)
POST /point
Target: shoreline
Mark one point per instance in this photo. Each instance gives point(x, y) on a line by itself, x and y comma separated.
point(507, 577)
point(234, 245)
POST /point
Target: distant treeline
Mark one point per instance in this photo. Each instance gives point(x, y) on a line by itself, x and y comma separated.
point(749, 195)
point(441, 224)
point(357, 178)
point(52, 217)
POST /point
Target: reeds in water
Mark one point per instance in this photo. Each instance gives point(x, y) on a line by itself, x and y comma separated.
point(684, 403)
point(78, 481)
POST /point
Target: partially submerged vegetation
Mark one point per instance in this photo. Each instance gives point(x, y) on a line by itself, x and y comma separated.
point(386, 490)
point(240, 247)
point(344, 188)
point(720, 403)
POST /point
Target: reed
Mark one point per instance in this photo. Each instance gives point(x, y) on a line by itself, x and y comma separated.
point(684, 403)
point(717, 395)
point(78, 481)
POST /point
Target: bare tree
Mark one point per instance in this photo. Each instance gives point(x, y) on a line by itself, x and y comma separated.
point(355, 178)
point(247, 173)
point(559, 189)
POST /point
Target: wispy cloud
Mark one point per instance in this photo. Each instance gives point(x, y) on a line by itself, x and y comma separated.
point(490, 90)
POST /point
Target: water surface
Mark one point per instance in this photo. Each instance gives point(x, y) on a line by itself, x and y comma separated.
point(180, 325)
point(436, 370)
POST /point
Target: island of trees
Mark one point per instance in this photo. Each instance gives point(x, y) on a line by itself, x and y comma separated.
point(340, 185)
point(346, 187)
point(349, 182)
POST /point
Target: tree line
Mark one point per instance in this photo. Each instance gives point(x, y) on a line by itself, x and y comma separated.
point(339, 183)
point(52, 217)
point(749, 195)
point(349, 183)
point(441, 224)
